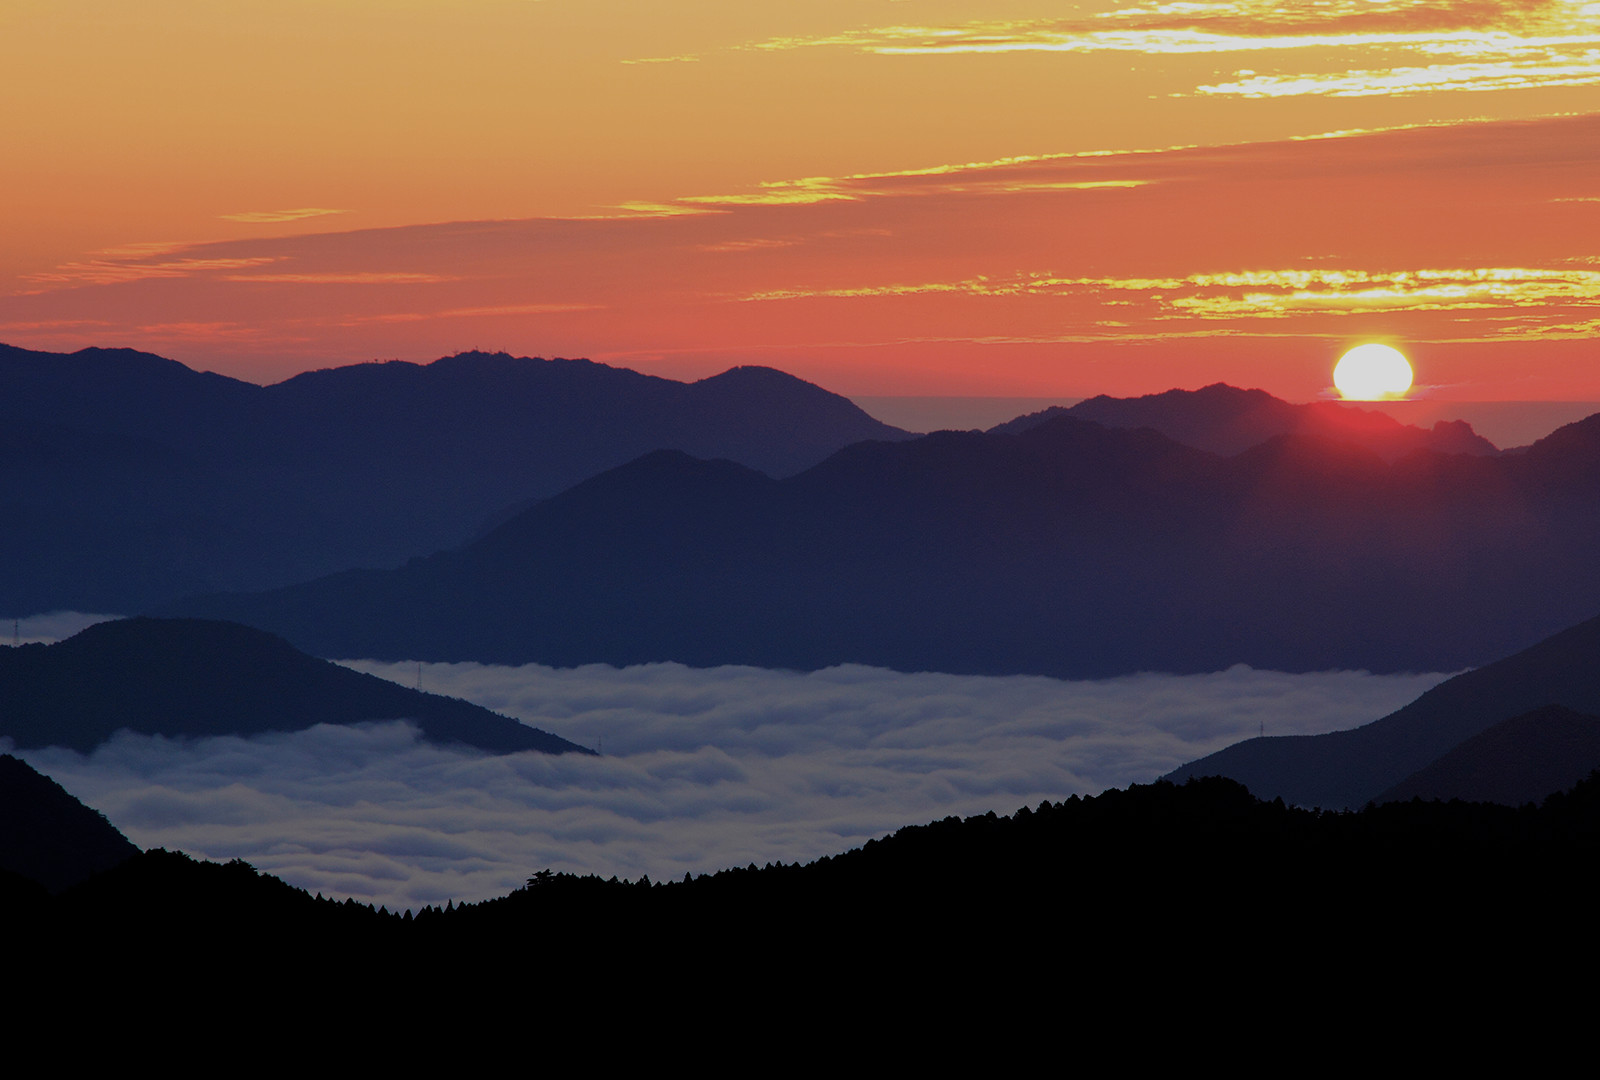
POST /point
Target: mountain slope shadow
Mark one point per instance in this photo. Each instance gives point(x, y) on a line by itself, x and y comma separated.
point(50, 837)
point(1349, 768)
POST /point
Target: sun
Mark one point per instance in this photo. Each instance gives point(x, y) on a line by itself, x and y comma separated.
point(1372, 372)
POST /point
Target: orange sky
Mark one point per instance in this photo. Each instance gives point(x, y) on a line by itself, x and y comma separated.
point(884, 196)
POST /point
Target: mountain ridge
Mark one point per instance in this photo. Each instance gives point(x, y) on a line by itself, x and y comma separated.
point(1069, 549)
point(1228, 420)
point(131, 479)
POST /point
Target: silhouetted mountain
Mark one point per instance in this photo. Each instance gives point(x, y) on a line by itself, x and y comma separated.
point(1517, 761)
point(188, 678)
point(48, 836)
point(1349, 768)
point(1226, 420)
point(1118, 884)
point(128, 478)
point(1069, 550)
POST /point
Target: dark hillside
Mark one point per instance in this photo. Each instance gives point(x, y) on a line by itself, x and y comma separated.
point(48, 836)
point(189, 678)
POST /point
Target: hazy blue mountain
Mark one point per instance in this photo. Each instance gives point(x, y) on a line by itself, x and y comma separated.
point(188, 678)
point(126, 478)
point(1226, 420)
point(1069, 549)
point(49, 837)
point(1520, 760)
point(1348, 768)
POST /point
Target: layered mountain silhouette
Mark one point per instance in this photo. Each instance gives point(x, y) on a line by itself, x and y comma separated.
point(1227, 420)
point(1069, 549)
point(127, 479)
point(1514, 730)
point(188, 678)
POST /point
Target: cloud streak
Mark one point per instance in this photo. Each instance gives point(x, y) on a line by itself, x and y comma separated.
point(1234, 296)
point(1469, 46)
point(703, 769)
point(273, 217)
point(1470, 232)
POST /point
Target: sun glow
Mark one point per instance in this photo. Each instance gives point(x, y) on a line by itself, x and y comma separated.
point(1372, 372)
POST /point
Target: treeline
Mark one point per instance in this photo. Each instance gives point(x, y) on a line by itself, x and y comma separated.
point(1155, 921)
point(1150, 862)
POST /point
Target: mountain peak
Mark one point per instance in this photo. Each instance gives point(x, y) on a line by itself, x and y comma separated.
point(1227, 420)
point(191, 678)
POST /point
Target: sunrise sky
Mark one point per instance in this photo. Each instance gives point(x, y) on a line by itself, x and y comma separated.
point(1005, 197)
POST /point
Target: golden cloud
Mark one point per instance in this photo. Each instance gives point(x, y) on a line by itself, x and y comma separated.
point(1536, 299)
point(1495, 44)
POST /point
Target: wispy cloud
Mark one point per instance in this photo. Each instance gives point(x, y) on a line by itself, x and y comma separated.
point(648, 210)
point(1579, 69)
point(273, 217)
point(687, 58)
point(1278, 293)
point(734, 247)
point(1245, 295)
point(196, 330)
point(478, 312)
point(1472, 45)
point(1514, 285)
point(1000, 176)
point(112, 271)
point(1448, 232)
point(357, 277)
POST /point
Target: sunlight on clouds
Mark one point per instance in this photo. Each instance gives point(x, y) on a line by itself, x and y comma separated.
point(1507, 45)
point(647, 210)
point(966, 178)
point(686, 59)
point(1272, 294)
point(1417, 290)
point(1583, 70)
point(780, 193)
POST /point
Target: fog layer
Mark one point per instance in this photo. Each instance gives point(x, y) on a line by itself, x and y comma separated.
point(702, 769)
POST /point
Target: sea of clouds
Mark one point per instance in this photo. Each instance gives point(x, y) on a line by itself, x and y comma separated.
point(702, 768)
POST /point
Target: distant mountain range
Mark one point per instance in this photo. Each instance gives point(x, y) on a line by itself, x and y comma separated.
point(127, 479)
point(1511, 731)
point(189, 678)
point(1226, 420)
point(1067, 549)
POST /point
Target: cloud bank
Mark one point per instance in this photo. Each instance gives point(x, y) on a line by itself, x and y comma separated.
point(703, 769)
